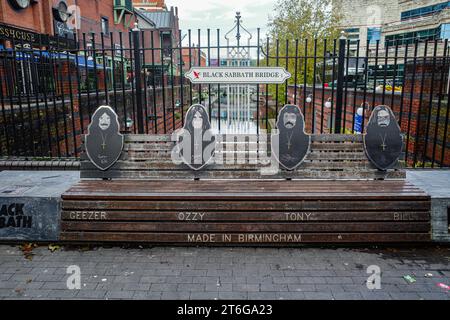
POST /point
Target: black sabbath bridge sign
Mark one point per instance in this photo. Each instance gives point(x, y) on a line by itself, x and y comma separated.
point(238, 75)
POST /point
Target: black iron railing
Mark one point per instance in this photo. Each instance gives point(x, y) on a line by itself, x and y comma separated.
point(48, 95)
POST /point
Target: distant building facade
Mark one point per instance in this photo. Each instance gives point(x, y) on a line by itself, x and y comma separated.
point(395, 22)
point(419, 20)
point(363, 20)
point(150, 5)
point(166, 39)
point(195, 57)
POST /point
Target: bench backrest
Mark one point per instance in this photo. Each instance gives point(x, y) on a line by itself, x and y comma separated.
point(331, 156)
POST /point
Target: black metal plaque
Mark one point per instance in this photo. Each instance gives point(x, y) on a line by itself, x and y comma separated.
point(383, 141)
point(104, 142)
point(198, 142)
point(291, 144)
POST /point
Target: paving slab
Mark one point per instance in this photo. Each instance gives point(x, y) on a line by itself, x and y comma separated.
point(437, 184)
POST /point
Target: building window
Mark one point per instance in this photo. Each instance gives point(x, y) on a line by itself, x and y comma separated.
point(89, 49)
point(445, 31)
point(352, 35)
point(353, 39)
point(424, 11)
point(411, 37)
point(373, 35)
point(351, 30)
point(105, 25)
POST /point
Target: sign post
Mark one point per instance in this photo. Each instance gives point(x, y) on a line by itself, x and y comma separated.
point(137, 78)
point(340, 84)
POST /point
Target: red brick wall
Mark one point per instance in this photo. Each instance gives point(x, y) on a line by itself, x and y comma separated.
point(37, 18)
point(194, 58)
point(91, 13)
point(151, 54)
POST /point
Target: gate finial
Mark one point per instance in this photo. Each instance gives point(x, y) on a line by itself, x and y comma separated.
point(238, 26)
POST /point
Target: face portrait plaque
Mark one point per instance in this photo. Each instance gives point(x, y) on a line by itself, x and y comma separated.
point(292, 145)
point(383, 141)
point(198, 142)
point(104, 142)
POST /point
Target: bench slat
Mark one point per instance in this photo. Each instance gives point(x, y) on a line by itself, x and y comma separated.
point(398, 205)
point(261, 216)
point(290, 239)
point(246, 227)
point(233, 174)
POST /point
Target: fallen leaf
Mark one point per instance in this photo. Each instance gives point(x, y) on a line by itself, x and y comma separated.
point(409, 279)
point(27, 249)
point(29, 256)
point(53, 247)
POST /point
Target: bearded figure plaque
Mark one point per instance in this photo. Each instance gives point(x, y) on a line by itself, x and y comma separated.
point(290, 144)
point(104, 143)
point(198, 142)
point(383, 141)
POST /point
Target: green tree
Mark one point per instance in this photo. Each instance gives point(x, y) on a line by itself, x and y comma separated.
point(310, 23)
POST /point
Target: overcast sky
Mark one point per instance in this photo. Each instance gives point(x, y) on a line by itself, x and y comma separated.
point(213, 14)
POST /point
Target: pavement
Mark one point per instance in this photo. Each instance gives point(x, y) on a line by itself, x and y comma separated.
point(435, 182)
point(225, 273)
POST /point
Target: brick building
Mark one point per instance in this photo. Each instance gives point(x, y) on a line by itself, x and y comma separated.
point(166, 26)
point(150, 5)
point(51, 18)
point(39, 22)
point(193, 58)
point(106, 16)
point(61, 88)
point(74, 25)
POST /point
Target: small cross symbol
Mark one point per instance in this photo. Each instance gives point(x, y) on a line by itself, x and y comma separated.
point(103, 145)
point(289, 145)
point(383, 146)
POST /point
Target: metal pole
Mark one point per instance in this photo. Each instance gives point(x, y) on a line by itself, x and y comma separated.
point(340, 84)
point(137, 77)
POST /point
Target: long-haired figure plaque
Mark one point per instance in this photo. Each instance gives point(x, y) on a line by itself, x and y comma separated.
point(291, 144)
point(383, 141)
point(198, 144)
point(104, 142)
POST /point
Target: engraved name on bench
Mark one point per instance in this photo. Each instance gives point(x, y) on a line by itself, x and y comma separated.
point(245, 237)
point(188, 216)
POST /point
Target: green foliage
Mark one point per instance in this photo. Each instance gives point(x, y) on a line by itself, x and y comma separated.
point(420, 164)
point(348, 131)
point(314, 23)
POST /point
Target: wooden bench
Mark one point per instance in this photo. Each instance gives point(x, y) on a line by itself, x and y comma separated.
point(335, 196)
